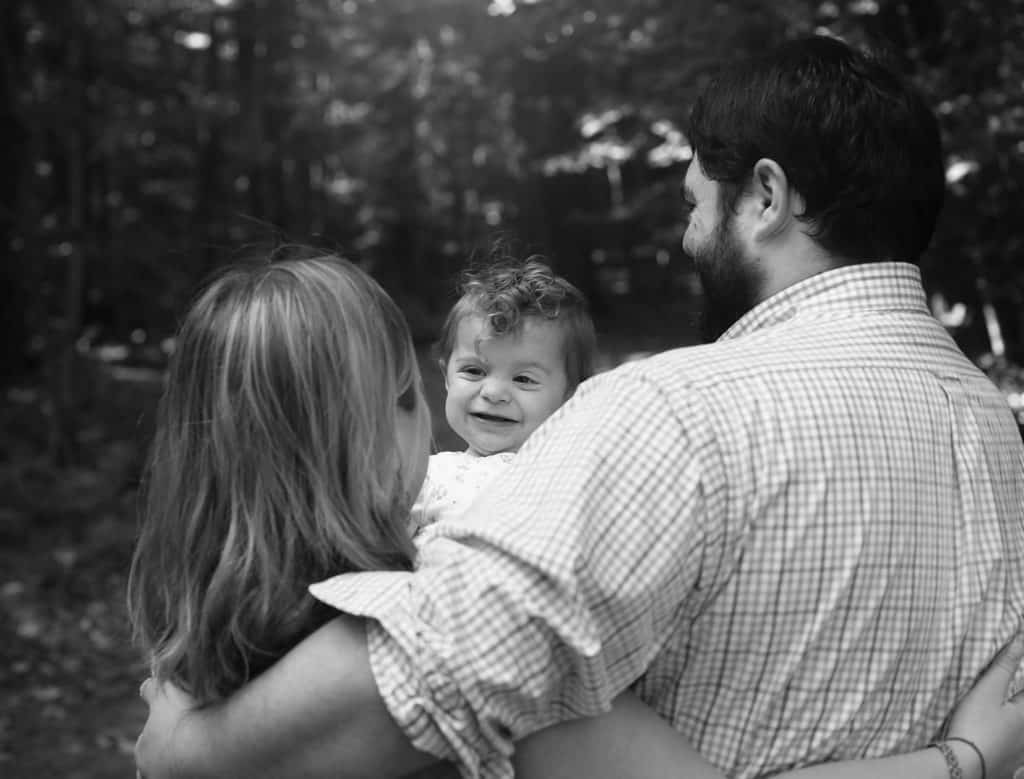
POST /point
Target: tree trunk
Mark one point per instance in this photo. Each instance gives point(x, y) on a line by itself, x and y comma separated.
point(13, 158)
point(63, 441)
point(210, 157)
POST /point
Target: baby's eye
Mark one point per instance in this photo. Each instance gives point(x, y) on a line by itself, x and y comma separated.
point(471, 370)
point(526, 380)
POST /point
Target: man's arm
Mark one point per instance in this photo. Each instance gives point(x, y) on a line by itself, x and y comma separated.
point(315, 713)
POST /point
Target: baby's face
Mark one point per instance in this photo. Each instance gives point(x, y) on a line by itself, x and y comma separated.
point(500, 388)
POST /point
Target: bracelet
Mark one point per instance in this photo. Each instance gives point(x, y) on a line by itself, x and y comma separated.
point(973, 746)
point(950, 757)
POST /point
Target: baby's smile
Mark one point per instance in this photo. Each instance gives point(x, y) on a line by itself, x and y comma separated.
point(492, 417)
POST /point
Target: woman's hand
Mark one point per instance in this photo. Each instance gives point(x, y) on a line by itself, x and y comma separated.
point(168, 706)
point(991, 720)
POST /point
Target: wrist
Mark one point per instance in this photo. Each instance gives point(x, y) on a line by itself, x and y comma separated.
point(963, 759)
point(972, 762)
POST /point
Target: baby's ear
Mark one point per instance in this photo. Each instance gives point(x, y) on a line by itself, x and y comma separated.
point(444, 370)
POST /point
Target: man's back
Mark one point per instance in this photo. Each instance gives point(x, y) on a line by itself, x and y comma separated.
point(868, 484)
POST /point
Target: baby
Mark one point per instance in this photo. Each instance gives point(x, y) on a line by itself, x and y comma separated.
point(513, 349)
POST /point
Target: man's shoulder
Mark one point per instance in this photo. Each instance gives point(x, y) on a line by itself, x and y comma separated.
point(811, 343)
point(678, 378)
point(702, 367)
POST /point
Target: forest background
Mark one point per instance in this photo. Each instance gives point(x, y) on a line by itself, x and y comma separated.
point(148, 142)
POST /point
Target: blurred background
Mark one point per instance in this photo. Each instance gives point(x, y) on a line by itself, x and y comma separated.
point(148, 142)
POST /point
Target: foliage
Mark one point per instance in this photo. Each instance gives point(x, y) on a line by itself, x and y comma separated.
point(156, 137)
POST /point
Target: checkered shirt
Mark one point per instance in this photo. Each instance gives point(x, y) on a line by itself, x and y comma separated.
point(801, 543)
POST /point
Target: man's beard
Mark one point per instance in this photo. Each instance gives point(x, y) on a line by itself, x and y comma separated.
point(731, 282)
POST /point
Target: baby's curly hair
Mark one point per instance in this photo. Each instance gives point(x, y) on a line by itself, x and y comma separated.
point(507, 292)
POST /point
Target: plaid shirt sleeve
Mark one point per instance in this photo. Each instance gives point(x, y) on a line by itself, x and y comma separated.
point(565, 580)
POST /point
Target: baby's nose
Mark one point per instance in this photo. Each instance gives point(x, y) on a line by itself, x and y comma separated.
point(495, 390)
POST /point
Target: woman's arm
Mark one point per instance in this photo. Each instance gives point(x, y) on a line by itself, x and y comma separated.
point(632, 742)
point(320, 717)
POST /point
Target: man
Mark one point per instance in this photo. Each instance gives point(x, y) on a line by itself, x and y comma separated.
point(799, 543)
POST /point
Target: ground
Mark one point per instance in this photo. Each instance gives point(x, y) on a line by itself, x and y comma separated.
point(70, 705)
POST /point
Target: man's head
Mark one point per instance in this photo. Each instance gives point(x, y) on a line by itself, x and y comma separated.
point(819, 148)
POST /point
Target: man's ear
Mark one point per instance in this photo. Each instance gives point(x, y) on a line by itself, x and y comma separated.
point(775, 202)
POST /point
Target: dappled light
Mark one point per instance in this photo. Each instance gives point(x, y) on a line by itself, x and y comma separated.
point(150, 143)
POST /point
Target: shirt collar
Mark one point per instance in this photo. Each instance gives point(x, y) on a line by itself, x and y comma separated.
point(870, 286)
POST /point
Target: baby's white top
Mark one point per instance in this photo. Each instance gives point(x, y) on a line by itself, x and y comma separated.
point(453, 481)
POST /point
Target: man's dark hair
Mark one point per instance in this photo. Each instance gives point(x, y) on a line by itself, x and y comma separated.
point(857, 141)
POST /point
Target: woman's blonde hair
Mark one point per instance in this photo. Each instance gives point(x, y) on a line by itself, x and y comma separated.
point(276, 463)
